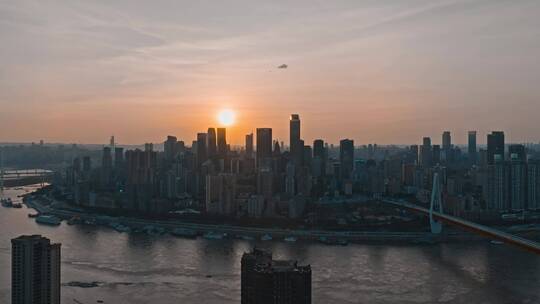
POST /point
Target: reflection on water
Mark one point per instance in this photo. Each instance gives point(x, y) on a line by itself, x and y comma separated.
point(137, 268)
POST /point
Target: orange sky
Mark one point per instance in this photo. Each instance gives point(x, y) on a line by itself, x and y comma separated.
point(384, 72)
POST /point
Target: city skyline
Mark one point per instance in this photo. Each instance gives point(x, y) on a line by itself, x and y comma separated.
point(463, 140)
point(269, 152)
point(372, 72)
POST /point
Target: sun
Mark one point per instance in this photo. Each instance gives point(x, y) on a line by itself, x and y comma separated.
point(226, 117)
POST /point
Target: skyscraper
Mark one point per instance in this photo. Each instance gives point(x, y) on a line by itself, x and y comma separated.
point(447, 152)
point(169, 147)
point(35, 270)
point(318, 148)
point(268, 281)
point(118, 157)
point(222, 142)
point(346, 157)
point(294, 137)
point(249, 261)
point(425, 154)
point(319, 158)
point(106, 167)
point(211, 142)
point(249, 145)
point(533, 182)
point(495, 146)
point(106, 160)
point(472, 147)
point(518, 183)
point(202, 151)
point(499, 185)
point(436, 158)
point(87, 163)
point(446, 140)
point(264, 145)
point(517, 152)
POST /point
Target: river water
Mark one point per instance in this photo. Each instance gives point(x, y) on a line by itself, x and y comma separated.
point(138, 268)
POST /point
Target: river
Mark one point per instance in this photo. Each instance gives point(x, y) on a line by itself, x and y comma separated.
point(138, 268)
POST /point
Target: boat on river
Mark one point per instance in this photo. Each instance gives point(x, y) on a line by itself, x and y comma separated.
point(215, 235)
point(266, 237)
point(6, 202)
point(290, 239)
point(183, 232)
point(48, 220)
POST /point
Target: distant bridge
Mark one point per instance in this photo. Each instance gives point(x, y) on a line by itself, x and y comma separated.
point(436, 217)
point(11, 178)
point(11, 174)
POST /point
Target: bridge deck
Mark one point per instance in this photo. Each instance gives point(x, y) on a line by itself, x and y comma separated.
point(474, 227)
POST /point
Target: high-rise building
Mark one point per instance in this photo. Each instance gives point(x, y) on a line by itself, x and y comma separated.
point(294, 137)
point(265, 182)
point(436, 158)
point(290, 179)
point(346, 157)
point(425, 154)
point(106, 160)
point(495, 146)
point(414, 154)
point(248, 264)
point(268, 281)
point(517, 152)
point(141, 167)
point(211, 142)
point(318, 148)
point(498, 185)
point(118, 157)
point(202, 151)
point(277, 149)
point(35, 270)
point(222, 142)
point(518, 183)
point(533, 182)
point(447, 151)
point(446, 140)
point(169, 147)
point(264, 145)
point(148, 147)
point(221, 194)
point(472, 147)
point(307, 156)
point(249, 145)
point(87, 164)
point(319, 158)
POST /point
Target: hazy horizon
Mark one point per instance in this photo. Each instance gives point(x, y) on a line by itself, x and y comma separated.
point(374, 71)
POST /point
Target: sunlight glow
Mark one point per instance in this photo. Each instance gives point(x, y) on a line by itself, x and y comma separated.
point(226, 117)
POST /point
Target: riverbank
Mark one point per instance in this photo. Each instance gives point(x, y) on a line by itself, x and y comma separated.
point(138, 225)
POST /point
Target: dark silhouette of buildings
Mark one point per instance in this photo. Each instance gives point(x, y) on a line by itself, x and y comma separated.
point(222, 142)
point(425, 154)
point(517, 152)
point(346, 157)
point(249, 145)
point(211, 142)
point(268, 281)
point(169, 147)
point(472, 147)
point(35, 270)
point(202, 151)
point(264, 145)
point(296, 145)
point(446, 140)
point(495, 146)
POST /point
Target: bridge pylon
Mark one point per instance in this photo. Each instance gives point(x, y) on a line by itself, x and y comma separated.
point(436, 205)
